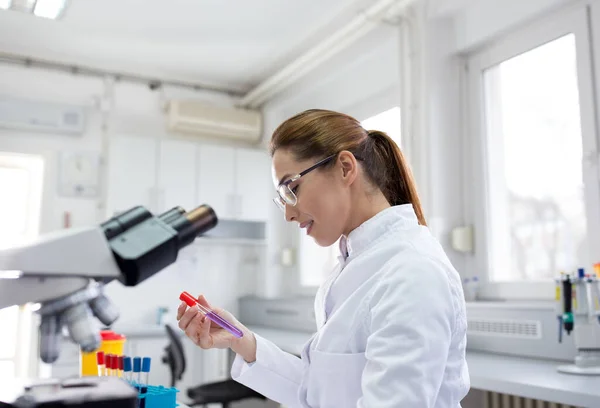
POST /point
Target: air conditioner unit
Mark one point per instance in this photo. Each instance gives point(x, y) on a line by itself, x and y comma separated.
point(41, 116)
point(214, 121)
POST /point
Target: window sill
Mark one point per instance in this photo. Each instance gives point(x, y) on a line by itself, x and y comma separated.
point(517, 292)
point(511, 304)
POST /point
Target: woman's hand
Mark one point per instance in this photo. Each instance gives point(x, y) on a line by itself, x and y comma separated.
point(206, 334)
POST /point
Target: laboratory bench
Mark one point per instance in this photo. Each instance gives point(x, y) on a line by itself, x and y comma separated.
point(524, 377)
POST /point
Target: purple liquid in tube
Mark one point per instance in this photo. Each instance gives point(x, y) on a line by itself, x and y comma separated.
point(224, 324)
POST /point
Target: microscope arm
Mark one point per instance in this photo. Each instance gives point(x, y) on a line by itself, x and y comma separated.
point(65, 271)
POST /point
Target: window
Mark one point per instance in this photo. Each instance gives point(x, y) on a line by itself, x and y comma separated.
point(8, 343)
point(387, 121)
point(21, 186)
point(533, 127)
point(316, 262)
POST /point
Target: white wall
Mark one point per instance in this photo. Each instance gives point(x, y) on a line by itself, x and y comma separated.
point(222, 272)
point(137, 111)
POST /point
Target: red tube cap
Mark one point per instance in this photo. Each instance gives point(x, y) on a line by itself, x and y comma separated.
point(100, 357)
point(120, 362)
point(109, 361)
point(188, 299)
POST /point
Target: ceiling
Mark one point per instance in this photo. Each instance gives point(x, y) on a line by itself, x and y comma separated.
point(231, 44)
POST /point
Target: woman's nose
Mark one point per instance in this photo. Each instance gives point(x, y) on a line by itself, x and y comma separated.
point(290, 213)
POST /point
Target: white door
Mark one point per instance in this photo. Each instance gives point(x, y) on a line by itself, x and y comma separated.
point(254, 186)
point(177, 175)
point(216, 175)
point(131, 174)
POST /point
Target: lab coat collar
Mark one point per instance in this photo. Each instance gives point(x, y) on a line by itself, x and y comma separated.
point(370, 231)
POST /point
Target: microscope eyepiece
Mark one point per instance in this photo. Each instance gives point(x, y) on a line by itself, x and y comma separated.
point(193, 224)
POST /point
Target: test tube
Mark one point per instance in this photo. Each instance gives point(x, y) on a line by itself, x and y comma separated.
point(100, 362)
point(191, 302)
point(596, 291)
point(144, 379)
point(559, 308)
point(137, 368)
point(127, 368)
point(568, 304)
point(145, 370)
point(108, 361)
point(121, 364)
point(114, 365)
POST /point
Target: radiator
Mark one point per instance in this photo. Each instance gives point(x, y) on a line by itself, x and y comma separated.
point(497, 400)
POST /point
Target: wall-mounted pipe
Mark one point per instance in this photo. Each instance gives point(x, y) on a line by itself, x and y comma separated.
point(358, 27)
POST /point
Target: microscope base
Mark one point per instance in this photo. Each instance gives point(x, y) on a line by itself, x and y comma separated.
point(573, 369)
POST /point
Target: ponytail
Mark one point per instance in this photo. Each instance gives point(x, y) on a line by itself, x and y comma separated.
point(386, 166)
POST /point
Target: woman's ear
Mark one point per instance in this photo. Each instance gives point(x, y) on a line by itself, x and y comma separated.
point(349, 167)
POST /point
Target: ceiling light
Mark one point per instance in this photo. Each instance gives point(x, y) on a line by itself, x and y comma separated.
point(4, 4)
point(49, 8)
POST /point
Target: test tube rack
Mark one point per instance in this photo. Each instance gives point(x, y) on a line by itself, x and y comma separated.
point(157, 396)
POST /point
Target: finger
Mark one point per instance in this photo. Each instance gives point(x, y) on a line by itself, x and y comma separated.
point(206, 340)
point(181, 310)
point(202, 300)
point(187, 317)
point(193, 329)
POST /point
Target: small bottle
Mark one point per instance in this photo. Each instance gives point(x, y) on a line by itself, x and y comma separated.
point(475, 287)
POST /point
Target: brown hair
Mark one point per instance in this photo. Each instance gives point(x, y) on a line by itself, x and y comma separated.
point(317, 133)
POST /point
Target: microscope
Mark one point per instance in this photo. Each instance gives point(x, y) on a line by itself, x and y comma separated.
point(578, 311)
point(65, 273)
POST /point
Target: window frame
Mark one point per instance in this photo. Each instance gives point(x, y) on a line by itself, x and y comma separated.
point(576, 20)
point(25, 331)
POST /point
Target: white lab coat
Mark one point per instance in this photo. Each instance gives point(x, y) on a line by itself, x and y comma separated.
point(391, 328)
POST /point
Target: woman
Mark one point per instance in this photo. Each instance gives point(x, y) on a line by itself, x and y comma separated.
point(391, 323)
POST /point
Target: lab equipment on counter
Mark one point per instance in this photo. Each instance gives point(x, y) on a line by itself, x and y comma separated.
point(191, 302)
point(111, 343)
point(578, 311)
point(471, 288)
point(65, 272)
point(148, 395)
